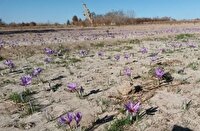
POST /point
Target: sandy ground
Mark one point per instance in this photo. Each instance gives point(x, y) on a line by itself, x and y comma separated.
point(172, 105)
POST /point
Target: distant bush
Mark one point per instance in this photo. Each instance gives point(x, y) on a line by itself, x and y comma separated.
point(122, 18)
point(33, 24)
point(13, 24)
point(2, 23)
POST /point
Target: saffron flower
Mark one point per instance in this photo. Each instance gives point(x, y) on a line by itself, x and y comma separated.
point(37, 71)
point(83, 52)
point(132, 108)
point(126, 56)
point(127, 71)
point(48, 60)
point(154, 58)
point(117, 57)
point(49, 51)
point(9, 63)
point(78, 117)
point(143, 50)
point(191, 45)
point(72, 86)
point(159, 72)
point(66, 119)
point(26, 80)
point(100, 53)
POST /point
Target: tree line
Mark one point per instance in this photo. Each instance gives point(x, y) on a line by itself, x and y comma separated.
point(109, 18)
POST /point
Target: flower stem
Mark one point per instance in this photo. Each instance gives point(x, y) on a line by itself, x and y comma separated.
point(21, 96)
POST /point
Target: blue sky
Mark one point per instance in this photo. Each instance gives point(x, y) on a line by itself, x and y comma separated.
point(61, 10)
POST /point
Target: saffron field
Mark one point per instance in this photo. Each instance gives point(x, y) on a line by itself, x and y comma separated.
point(131, 78)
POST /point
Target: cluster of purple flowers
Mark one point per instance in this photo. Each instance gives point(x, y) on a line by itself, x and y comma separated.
point(26, 80)
point(9, 63)
point(48, 51)
point(68, 118)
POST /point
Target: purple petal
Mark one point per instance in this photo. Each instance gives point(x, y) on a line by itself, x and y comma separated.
point(48, 51)
point(48, 60)
point(9, 63)
point(100, 53)
point(132, 108)
point(143, 50)
point(37, 71)
point(70, 117)
point(127, 71)
point(26, 80)
point(117, 57)
point(83, 52)
point(126, 56)
point(72, 86)
point(66, 119)
point(159, 72)
point(62, 120)
point(78, 117)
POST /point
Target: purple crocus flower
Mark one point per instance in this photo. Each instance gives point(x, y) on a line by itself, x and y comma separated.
point(117, 57)
point(132, 107)
point(62, 120)
point(26, 80)
point(191, 45)
point(154, 58)
point(78, 117)
point(49, 51)
point(66, 119)
point(127, 71)
point(126, 55)
point(159, 72)
point(37, 71)
point(48, 60)
point(83, 52)
point(9, 63)
point(72, 86)
point(100, 53)
point(143, 50)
